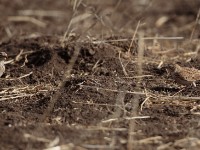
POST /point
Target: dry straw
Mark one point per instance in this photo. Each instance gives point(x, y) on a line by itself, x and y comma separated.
point(66, 77)
point(135, 101)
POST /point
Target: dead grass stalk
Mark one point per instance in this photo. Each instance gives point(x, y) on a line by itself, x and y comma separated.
point(61, 85)
point(135, 101)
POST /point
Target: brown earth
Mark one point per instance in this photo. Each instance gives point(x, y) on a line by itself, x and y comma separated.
point(100, 100)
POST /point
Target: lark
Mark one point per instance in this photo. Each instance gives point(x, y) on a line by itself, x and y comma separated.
point(3, 57)
point(188, 74)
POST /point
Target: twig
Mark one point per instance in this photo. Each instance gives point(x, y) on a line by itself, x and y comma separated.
point(133, 38)
point(160, 64)
point(136, 77)
point(149, 140)
point(17, 58)
point(146, 99)
point(27, 91)
point(123, 68)
point(26, 75)
point(15, 97)
point(95, 65)
point(97, 104)
point(75, 7)
point(95, 128)
point(137, 117)
point(110, 120)
point(25, 61)
point(23, 76)
point(144, 38)
point(181, 98)
point(126, 118)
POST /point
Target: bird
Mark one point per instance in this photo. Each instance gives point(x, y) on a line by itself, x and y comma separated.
point(190, 75)
point(3, 57)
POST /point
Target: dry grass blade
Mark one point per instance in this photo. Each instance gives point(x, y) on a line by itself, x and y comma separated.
point(196, 23)
point(184, 98)
point(111, 90)
point(18, 78)
point(99, 128)
point(144, 38)
point(23, 91)
point(123, 68)
point(126, 118)
point(80, 18)
point(27, 19)
point(75, 7)
point(42, 13)
point(69, 146)
point(133, 38)
point(135, 101)
point(151, 140)
point(89, 146)
point(137, 117)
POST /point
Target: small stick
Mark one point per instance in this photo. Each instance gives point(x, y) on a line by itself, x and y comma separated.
point(17, 58)
point(146, 99)
point(144, 38)
point(15, 97)
point(135, 77)
point(181, 98)
point(123, 68)
point(89, 146)
point(26, 75)
point(137, 117)
point(133, 38)
point(105, 128)
point(135, 100)
point(127, 118)
point(150, 140)
point(23, 76)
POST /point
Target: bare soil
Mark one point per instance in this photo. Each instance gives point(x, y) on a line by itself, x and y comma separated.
point(101, 101)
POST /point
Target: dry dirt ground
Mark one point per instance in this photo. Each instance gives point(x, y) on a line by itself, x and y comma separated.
point(78, 78)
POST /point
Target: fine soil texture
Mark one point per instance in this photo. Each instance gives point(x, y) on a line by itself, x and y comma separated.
point(87, 74)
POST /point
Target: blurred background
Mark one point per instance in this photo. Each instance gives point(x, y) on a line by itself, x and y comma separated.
point(99, 18)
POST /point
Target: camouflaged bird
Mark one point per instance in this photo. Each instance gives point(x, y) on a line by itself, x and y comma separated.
point(190, 75)
point(3, 57)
